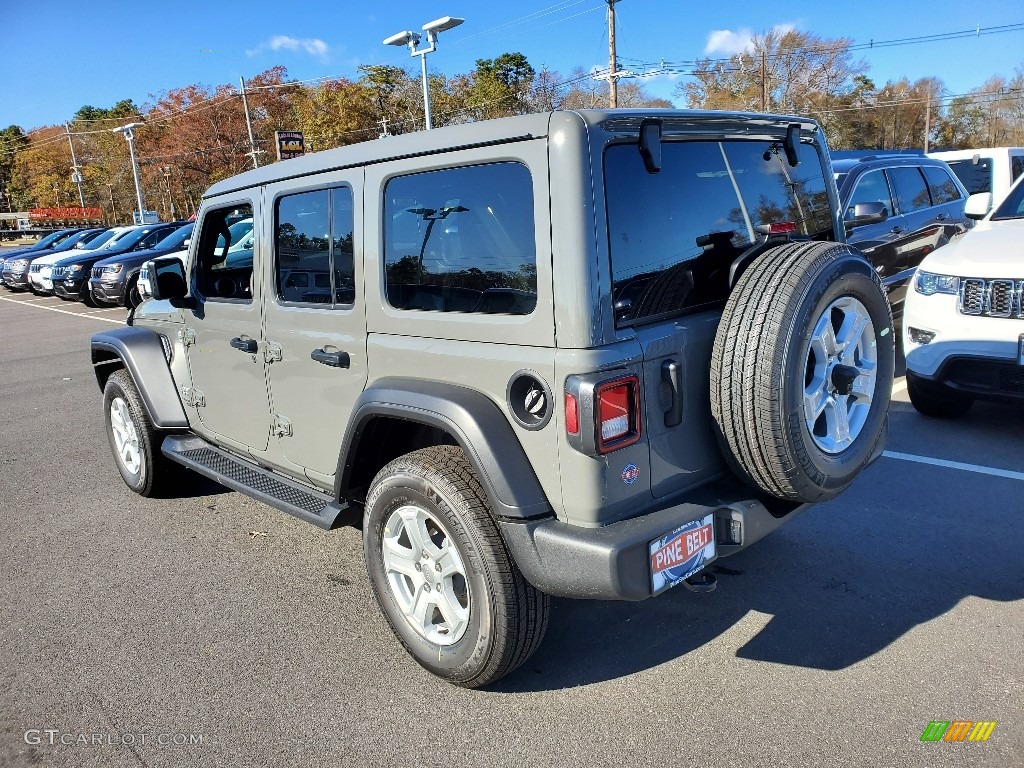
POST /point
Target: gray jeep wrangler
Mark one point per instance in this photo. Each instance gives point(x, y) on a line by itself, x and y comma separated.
point(578, 354)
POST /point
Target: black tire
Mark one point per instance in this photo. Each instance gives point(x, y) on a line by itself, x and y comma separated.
point(507, 617)
point(937, 401)
point(85, 296)
point(132, 299)
point(763, 360)
point(155, 472)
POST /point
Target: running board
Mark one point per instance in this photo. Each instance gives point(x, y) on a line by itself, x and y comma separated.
point(246, 477)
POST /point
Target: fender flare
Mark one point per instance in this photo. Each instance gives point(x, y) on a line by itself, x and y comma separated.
point(479, 427)
point(141, 352)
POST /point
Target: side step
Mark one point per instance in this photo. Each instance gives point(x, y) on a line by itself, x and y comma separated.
point(246, 477)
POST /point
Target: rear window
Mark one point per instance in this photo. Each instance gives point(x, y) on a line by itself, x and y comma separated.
point(673, 235)
point(975, 176)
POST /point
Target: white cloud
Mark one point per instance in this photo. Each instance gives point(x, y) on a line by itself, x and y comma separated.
point(310, 45)
point(729, 42)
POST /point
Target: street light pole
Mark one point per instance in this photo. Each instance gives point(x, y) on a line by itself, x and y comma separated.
point(412, 40)
point(167, 183)
point(129, 135)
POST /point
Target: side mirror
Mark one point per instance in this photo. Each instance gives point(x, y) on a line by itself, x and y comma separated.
point(650, 144)
point(978, 205)
point(867, 213)
point(167, 278)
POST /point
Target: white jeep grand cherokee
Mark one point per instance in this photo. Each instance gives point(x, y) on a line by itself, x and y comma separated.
point(963, 327)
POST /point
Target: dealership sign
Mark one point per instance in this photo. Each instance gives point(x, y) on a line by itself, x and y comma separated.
point(289, 144)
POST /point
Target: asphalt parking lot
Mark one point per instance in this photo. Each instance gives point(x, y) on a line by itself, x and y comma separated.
point(208, 629)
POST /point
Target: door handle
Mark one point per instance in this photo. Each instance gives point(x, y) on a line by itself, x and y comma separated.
point(897, 230)
point(246, 345)
point(941, 217)
point(333, 359)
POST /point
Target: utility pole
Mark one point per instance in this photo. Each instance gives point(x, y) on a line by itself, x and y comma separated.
point(56, 192)
point(613, 86)
point(113, 211)
point(927, 119)
point(76, 174)
point(764, 83)
point(248, 124)
point(167, 183)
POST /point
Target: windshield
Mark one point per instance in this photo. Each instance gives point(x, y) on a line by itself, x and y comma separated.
point(674, 235)
point(975, 176)
point(1013, 206)
point(52, 239)
point(174, 240)
point(96, 241)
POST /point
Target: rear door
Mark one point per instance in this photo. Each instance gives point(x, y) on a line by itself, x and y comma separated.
point(673, 237)
point(315, 317)
point(921, 231)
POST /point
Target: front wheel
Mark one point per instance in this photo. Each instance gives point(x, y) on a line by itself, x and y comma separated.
point(441, 574)
point(134, 441)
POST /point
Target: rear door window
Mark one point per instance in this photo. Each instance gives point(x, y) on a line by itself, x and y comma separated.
point(911, 189)
point(673, 235)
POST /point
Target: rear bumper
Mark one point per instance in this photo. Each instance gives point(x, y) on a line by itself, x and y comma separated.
point(613, 562)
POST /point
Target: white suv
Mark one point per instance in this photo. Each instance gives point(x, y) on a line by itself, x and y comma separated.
point(963, 327)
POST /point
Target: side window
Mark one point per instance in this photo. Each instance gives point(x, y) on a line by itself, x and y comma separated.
point(313, 247)
point(224, 256)
point(1016, 166)
point(943, 188)
point(871, 188)
point(911, 189)
point(461, 240)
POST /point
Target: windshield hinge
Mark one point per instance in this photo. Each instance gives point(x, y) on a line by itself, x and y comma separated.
point(193, 397)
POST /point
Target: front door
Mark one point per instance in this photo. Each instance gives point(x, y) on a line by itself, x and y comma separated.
point(315, 323)
point(224, 342)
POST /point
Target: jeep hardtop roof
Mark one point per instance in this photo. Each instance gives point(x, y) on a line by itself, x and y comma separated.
point(518, 128)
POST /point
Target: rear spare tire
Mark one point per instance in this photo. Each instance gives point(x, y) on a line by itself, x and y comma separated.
point(802, 370)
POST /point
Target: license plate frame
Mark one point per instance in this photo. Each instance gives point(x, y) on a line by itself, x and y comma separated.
point(681, 553)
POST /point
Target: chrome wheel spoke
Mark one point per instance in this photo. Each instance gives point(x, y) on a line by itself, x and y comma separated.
point(823, 340)
point(427, 580)
point(816, 398)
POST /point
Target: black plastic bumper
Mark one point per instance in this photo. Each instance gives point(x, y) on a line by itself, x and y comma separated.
point(107, 292)
point(985, 378)
point(613, 562)
point(68, 289)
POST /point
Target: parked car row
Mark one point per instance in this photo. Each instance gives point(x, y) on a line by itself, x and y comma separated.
point(99, 266)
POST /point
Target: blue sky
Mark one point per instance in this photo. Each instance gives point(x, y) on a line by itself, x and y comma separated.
point(68, 54)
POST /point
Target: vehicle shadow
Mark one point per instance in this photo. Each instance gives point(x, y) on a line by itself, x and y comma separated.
point(840, 583)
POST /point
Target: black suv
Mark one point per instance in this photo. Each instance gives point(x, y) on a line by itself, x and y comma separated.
point(71, 275)
point(897, 210)
point(114, 279)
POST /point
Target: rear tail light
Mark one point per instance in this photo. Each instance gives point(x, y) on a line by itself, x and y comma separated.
point(777, 228)
point(617, 412)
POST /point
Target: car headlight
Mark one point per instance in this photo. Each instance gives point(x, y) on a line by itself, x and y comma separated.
point(74, 268)
point(929, 283)
point(111, 269)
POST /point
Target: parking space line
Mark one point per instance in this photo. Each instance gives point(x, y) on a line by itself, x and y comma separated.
point(64, 311)
point(979, 469)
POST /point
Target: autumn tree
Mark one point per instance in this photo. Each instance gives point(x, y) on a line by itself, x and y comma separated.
point(12, 141)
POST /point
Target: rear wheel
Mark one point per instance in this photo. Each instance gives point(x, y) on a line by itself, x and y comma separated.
point(802, 370)
point(441, 574)
point(937, 401)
